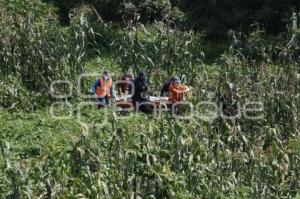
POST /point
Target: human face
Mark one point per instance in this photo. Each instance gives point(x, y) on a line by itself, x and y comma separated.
point(143, 77)
point(106, 76)
point(176, 84)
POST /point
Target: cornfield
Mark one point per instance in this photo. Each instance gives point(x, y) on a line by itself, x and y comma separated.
point(137, 155)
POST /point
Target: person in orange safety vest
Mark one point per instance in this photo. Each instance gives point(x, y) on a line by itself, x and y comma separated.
point(103, 89)
point(176, 90)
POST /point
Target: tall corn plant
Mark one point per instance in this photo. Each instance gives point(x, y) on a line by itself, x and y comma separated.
point(162, 50)
point(37, 51)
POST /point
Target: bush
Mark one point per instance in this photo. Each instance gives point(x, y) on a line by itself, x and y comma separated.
point(14, 95)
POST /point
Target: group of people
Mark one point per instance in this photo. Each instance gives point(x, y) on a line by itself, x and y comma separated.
point(139, 89)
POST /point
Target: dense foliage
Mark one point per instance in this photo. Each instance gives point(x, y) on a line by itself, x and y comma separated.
point(216, 17)
point(213, 17)
point(36, 51)
point(136, 155)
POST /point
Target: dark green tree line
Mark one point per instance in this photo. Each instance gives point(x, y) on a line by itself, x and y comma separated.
point(212, 16)
point(217, 17)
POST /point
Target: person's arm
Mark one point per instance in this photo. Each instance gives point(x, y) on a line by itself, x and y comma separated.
point(180, 90)
point(94, 87)
point(184, 88)
point(146, 88)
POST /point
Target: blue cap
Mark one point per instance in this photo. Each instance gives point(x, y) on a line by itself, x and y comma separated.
point(176, 80)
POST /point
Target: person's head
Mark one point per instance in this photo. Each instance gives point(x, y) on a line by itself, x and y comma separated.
point(142, 75)
point(106, 75)
point(130, 73)
point(174, 77)
point(230, 89)
point(176, 81)
point(128, 79)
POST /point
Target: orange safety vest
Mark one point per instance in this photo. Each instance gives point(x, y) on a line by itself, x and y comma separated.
point(103, 89)
point(176, 94)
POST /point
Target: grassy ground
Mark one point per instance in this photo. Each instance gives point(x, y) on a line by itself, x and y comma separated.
point(31, 134)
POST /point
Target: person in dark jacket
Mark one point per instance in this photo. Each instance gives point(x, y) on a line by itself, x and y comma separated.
point(141, 93)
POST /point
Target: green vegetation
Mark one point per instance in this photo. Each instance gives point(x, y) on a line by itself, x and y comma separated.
point(143, 156)
point(157, 159)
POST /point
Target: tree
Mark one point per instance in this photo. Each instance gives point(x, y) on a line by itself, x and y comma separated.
point(217, 17)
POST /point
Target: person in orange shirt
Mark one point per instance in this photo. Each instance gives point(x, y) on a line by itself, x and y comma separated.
point(103, 89)
point(176, 91)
